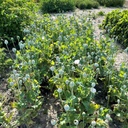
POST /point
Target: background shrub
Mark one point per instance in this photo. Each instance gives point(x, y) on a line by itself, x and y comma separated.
point(86, 4)
point(111, 3)
point(54, 6)
point(116, 24)
point(14, 16)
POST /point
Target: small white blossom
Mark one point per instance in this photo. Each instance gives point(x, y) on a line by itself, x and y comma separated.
point(72, 84)
point(6, 42)
point(93, 123)
point(14, 50)
point(118, 101)
point(96, 65)
point(66, 107)
point(11, 83)
point(108, 117)
point(33, 62)
point(93, 90)
point(59, 90)
point(20, 82)
point(27, 76)
point(77, 62)
point(83, 113)
point(93, 84)
point(76, 122)
point(67, 82)
point(84, 75)
point(73, 68)
point(21, 45)
point(61, 72)
point(52, 68)
point(53, 122)
point(43, 37)
point(57, 59)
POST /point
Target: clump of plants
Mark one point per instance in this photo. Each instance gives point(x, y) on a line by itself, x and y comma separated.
point(116, 24)
point(86, 4)
point(15, 15)
point(111, 3)
point(55, 6)
point(64, 51)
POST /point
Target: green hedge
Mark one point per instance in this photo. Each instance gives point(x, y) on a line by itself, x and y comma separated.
point(55, 6)
point(116, 24)
point(112, 3)
point(14, 16)
point(86, 4)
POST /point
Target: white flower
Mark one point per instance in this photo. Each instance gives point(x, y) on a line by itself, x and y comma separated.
point(76, 122)
point(72, 84)
point(21, 45)
point(73, 68)
point(43, 37)
point(14, 71)
point(33, 62)
point(108, 117)
point(93, 123)
point(96, 65)
point(52, 68)
point(53, 122)
point(85, 45)
point(20, 82)
point(59, 90)
point(77, 62)
point(118, 101)
point(14, 50)
point(6, 42)
point(61, 72)
point(84, 75)
point(93, 84)
point(27, 76)
point(57, 59)
point(83, 113)
point(11, 83)
point(66, 107)
point(93, 90)
point(67, 81)
point(124, 86)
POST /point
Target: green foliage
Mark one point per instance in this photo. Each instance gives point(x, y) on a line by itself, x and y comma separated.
point(15, 15)
point(5, 63)
point(54, 6)
point(101, 13)
point(86, 4)
point(116, 24)
point(112, 3)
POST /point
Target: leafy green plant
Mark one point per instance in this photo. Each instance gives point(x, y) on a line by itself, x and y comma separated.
point(116, 23)
point(101, 13)
point(112, 3)
point(15, 15)
point(54, 6)
point(5, 62)
point(86, 4)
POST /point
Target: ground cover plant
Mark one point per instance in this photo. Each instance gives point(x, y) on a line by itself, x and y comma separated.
point(116, 24)
point(111, 3)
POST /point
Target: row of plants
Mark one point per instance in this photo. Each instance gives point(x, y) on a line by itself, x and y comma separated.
point(116, 24)
point(64, 51)
point(55, 6)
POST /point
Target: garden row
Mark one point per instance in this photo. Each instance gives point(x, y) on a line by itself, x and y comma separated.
point(78, 69)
